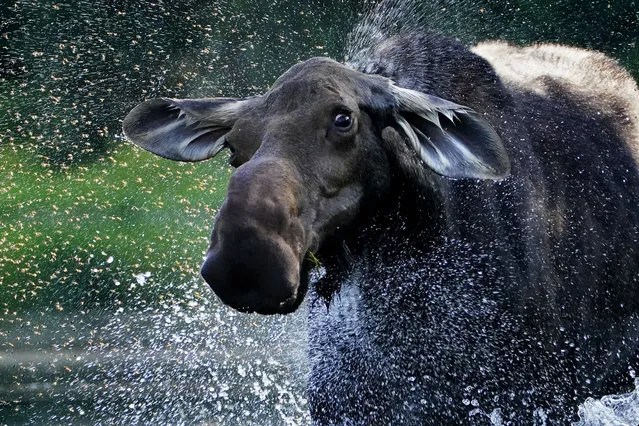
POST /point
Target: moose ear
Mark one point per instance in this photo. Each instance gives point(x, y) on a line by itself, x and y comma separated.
point(451, 139)
point(183, 130)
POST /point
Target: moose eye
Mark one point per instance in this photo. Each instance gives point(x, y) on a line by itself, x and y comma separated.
point(343, 121)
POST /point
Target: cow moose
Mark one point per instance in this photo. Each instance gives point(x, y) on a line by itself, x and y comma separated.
point(476, 212)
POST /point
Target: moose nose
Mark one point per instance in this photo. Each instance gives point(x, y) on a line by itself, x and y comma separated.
point(253, 263)
point(253, 275)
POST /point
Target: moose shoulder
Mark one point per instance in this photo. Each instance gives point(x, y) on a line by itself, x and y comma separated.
point(476, 213)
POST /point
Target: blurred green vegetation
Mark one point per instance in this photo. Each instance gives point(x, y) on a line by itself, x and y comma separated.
point(68, 236)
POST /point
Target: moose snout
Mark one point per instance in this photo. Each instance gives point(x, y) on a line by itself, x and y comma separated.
point(257, 244)
point(254, 275)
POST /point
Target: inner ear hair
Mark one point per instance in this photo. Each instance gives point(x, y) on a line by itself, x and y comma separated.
point(407, 160)
point(427, 106)
point(451, 139)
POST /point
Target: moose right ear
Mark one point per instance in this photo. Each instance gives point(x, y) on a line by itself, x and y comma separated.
point(183, 129)
point(451, 139)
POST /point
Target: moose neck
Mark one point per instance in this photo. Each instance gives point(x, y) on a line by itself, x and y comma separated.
point(403, 224)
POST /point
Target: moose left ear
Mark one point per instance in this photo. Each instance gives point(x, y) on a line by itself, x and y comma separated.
point(183, 129)
point(451, 139)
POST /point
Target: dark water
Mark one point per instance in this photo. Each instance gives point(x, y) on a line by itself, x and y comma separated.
point(103, 318)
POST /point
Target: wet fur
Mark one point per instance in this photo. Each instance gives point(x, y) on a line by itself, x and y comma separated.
point(448, 299)
point(519, 295)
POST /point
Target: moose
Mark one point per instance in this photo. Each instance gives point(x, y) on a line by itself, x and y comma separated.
point(475, 211)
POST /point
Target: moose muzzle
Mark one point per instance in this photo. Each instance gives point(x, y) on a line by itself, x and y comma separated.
point(258, 242)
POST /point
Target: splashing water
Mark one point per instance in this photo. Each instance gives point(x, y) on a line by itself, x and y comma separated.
point(386, 19)
point(176, 361)
point(611, 410)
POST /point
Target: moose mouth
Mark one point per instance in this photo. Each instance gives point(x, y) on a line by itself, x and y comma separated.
point(287, 306)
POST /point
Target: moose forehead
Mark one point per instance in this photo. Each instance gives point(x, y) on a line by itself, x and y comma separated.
point(311, 84)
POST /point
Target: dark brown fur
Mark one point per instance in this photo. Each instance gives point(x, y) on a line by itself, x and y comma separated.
point(517, 293)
